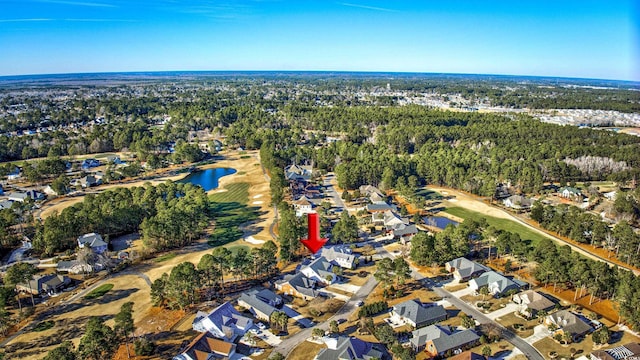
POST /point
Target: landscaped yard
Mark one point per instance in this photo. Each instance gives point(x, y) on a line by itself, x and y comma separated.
point(306, 350)
point(583, 347)
point(526, 330)
point(99, 291)
point(502, 224)
point(495, 304)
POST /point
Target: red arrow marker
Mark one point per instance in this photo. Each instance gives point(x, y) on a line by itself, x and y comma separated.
point(313, 242)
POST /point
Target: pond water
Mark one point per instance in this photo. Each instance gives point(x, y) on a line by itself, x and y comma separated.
point(440, 222)
point(208, 178)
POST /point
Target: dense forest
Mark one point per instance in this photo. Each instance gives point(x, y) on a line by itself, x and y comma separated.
point(169, 215)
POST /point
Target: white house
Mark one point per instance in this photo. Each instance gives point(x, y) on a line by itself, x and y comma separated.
point(517, 202)
point(303, 206)
point(94, 241)
point(497, 283)
point(320, 270)
point(340, 255)
point(223, 322)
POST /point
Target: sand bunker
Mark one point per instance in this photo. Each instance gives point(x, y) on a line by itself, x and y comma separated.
point(252, 240)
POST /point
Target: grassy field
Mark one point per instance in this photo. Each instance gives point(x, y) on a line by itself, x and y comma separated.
point(230, 210)
point(164, 257)
point(99, 291)
point(502, 224)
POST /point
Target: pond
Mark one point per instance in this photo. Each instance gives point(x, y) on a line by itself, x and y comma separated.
point(440, 222)
point(208, 178)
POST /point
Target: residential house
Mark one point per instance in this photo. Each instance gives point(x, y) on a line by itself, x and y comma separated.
point(404, 232)
point(303, 206)
point(90, 163)
point(417, 314)
point(94, 241)
point(611, 195)
point(464, 269)
point(378, 207)
point(630, 351)
point(298, 285)
point(438, 340)
point(89, 181)
point(468, 355)
point(340, 255)
point(261, 303)
point(319, 270)
point(298, 172)
point(497, 283)
point(531, 302)
point(223, 322)
point(45, 284)
point(23, 196)
point(568, 192)
point(566, 321)
point(517, 202)
point(74, 267)
point(502, 191)
point(6, 204)
point(373, 193)
point(207, 347)
point(114, 159)
point(351, 348)
point(49, 191)
point(14, 174)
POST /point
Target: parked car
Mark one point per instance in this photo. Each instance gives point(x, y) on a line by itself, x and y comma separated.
point(359, 303)
point(261, 326)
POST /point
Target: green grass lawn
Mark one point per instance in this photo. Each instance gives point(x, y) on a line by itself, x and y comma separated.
point(230, 210)
point(236, 192)
point(164, 257)
point(45, 325)
point(99, 291)
point(502, 224)
point(235, 248)
point(427, 194)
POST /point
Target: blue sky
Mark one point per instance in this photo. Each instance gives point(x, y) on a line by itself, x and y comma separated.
point(594, 39)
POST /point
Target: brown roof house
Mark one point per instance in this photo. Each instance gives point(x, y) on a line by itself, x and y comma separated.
point(206, 347)
point(566, 321)
point(438, 340)
point(531, 302)
point(630, 351)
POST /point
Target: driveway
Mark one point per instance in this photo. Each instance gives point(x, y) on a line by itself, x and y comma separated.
point(539, 332)
point(463, 292)
point(508, 309)
point(304, 322)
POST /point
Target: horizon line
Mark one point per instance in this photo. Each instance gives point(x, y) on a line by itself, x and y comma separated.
point(372, 72)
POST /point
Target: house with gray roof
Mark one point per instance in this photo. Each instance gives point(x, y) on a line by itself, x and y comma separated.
point(568, 322)
point(379, 206)
point(531, 302)
point(74, 267)
point(351, 348)
point(6, 204)
point(23, 196)
point(45, 284)
point(497, 283)
point(261, 303)
point(339, 255)
point(94, 241)
point(417, 314)
point(517, 202)
point(319, 270)
point(223, 322)
point(298, 285)
point(630, 351)
point(437, 340)
point(465, 269)
point(298, 172)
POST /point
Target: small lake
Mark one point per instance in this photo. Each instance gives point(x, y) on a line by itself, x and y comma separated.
point(208, 178)
point(440, 222)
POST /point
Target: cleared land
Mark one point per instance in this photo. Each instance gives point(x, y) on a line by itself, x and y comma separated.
point(69, 321)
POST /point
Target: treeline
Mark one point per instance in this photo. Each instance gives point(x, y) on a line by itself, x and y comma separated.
point(569, 270)
point(470, 151)
point(188, 284)
point(588, 228)
point(169, 215)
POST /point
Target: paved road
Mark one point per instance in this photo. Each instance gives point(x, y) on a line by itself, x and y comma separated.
point(529, 351)
point(331, 191)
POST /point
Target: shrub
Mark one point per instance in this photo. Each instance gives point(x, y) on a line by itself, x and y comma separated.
point(372, 309)
point(143, 347)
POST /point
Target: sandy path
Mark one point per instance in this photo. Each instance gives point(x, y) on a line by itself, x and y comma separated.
point(469, 202)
